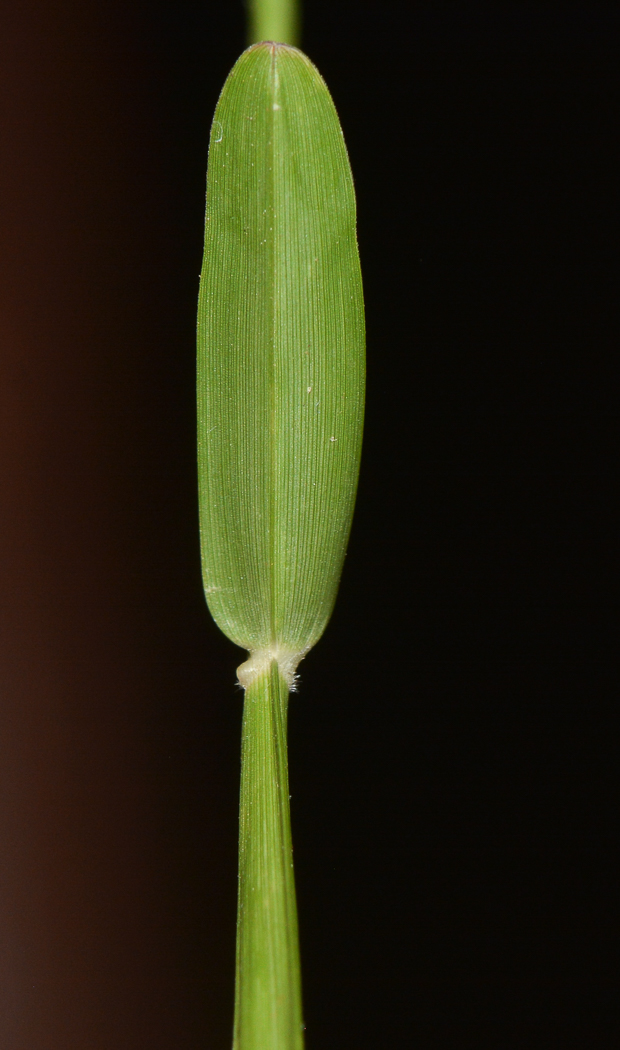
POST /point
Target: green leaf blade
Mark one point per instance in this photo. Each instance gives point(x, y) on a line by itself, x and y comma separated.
point(281, 356)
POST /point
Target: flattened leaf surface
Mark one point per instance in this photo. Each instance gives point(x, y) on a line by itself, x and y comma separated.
point(280, 354)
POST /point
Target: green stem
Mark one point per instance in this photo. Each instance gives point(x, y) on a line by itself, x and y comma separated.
point(268, 987)
point(277, 20)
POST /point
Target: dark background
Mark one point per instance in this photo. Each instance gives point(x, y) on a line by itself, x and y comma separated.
point(453, 746)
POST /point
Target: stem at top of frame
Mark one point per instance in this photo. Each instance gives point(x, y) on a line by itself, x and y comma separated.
point(277, 20)
point(268, 987)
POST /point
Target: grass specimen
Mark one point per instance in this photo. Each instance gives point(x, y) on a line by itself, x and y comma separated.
point(280, 408)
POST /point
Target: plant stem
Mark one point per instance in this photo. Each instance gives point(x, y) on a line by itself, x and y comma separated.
point(268, 986)
point(277, 20)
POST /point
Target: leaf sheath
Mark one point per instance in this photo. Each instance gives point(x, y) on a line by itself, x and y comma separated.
point(268, 989)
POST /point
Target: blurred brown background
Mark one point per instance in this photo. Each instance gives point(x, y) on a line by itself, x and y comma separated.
point(113, 815)
point(454, 762)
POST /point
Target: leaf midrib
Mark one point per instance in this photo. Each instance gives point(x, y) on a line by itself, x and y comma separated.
point(272, 337)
